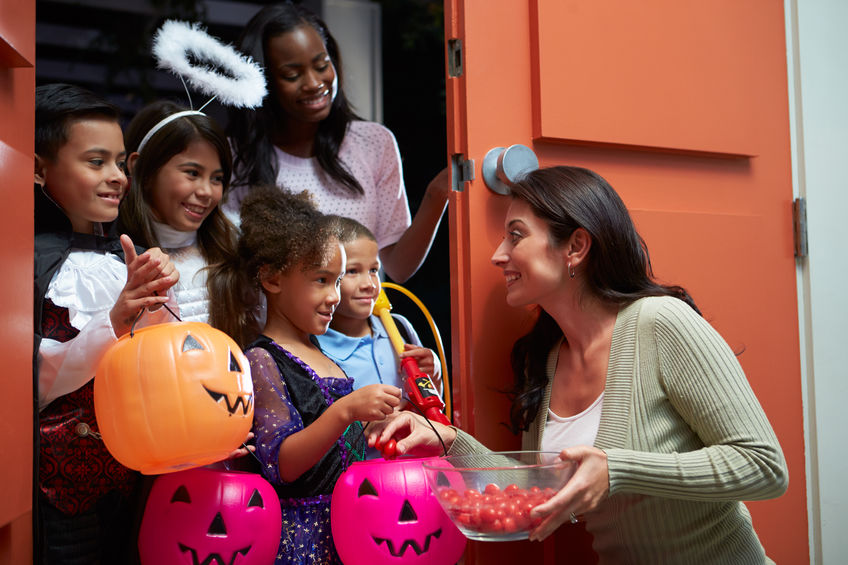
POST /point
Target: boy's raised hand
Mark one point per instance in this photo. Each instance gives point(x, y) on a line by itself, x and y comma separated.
point(422, 356)
point(372, 402)
point(149, 276)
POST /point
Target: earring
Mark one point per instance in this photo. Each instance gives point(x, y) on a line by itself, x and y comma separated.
point(570, 271)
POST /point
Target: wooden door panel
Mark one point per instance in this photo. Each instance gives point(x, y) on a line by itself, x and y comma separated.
point(697, 144)
point(657, 74)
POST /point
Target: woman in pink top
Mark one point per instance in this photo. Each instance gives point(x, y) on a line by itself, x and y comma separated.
point(306, 137)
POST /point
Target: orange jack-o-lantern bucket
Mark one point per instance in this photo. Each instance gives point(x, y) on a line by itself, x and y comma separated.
point(173, 396)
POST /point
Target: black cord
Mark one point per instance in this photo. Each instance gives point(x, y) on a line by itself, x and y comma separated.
point(137, 317)
point(140, 312)
point(165, 305)
point(244, 444)
point(444, 447)
point(354, 442)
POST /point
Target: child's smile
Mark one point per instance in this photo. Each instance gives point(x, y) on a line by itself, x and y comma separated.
point(308, 298)
point(86, 178)
point(188, 187)
point(361, 282)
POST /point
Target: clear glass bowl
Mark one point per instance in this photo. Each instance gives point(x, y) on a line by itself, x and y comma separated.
point(489, 495)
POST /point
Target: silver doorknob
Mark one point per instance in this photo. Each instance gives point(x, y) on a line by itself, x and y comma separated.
point(502, 168)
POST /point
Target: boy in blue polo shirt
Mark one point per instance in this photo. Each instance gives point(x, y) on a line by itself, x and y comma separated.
point(357, 340)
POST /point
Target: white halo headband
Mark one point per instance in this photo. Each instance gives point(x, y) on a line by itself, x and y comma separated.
point(176, 41)
point(164, 122)
point(172, 45)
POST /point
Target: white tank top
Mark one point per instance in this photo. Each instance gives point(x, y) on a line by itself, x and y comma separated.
point(580, 429)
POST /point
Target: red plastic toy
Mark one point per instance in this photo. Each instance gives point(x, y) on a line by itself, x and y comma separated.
point(418, 386)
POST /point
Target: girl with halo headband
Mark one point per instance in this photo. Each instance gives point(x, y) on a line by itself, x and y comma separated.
point(179, 176)
point(180, 162)
point(306, 137)
point(307, 415)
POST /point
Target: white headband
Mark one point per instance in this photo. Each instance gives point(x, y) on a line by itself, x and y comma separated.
point(241, 85)
point(165, 122)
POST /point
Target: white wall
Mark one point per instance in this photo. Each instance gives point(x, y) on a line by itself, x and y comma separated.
point(356, 26)
point(817, 45)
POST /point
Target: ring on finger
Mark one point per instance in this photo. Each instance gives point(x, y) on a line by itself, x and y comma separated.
point(573, 518)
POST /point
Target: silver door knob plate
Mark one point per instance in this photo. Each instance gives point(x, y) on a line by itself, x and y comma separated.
point(502, 168)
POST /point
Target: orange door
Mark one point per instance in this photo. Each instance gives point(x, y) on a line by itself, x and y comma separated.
point(682, 106)
point(17, 84)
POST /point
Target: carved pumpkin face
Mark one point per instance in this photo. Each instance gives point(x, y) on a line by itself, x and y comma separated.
point(173, 396)
point(211, 517)
point(384, 512)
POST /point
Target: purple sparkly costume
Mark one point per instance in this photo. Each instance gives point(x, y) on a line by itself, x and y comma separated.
point(289, 395)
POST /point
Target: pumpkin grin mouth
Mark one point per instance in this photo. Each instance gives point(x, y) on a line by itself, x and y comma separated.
point(222, 398)
point(408, 543)
point(213, 558)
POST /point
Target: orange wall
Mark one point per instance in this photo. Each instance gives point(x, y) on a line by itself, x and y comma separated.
point(17, 84)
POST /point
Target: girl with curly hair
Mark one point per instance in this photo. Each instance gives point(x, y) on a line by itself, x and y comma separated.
point(307, 415)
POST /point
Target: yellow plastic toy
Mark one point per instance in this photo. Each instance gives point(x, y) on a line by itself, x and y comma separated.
point(417, 385)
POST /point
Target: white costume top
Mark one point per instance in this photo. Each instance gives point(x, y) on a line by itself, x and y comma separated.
point(370, 152)
point(185, 254)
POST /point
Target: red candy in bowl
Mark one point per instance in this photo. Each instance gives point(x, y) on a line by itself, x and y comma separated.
point(489, 496)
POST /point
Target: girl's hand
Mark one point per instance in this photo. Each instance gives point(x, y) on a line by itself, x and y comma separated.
point(370, 403)
point(413, 434)
point(244, 449)
point(587, 488)
point(167, 274)
point(422, 356)
point(149, 276)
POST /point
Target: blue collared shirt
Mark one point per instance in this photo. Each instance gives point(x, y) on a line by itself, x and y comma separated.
point(370, 359)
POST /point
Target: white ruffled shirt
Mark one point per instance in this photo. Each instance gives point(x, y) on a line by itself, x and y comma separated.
point(88, 283)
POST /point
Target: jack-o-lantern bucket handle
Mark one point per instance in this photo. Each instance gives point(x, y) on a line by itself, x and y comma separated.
point(140, 312)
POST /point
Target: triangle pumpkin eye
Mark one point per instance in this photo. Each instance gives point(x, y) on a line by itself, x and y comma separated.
point(191, 343)
point(366, 488)
point(442, 480)
point(181, 495)
point(234, 366)
point(256, 500)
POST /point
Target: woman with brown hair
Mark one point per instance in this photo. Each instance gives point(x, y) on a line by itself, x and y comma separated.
point(624, 377)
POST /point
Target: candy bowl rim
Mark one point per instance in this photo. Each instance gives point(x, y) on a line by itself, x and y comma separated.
point(475, 531)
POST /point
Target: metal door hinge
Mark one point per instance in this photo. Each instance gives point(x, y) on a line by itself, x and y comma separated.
point(799, 227)
point(462, 171)
point(454, 58)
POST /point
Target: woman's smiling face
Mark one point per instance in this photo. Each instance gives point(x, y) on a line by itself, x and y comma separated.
point(534, 269)
point(303, 76)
